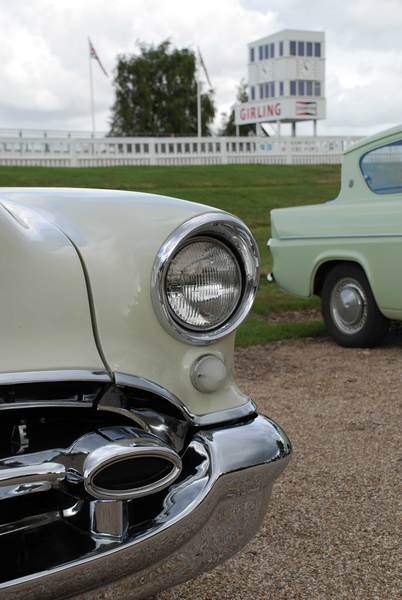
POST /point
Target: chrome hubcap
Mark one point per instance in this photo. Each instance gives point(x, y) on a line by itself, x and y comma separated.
point(349, 305)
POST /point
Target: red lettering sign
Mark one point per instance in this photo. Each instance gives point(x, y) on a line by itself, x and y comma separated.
point(260, 111)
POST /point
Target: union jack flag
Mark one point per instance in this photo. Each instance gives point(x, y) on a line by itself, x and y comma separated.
point(93, 54)
point(304, 108)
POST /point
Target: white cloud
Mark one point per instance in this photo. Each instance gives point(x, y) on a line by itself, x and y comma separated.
point(44, 53)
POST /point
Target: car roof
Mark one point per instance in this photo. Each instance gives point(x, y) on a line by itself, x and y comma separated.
point(374, 138)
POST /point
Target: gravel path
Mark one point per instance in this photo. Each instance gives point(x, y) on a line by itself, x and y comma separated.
point(332, 531)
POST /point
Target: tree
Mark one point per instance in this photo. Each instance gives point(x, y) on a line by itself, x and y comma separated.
point(156, 93)
point(229, 127)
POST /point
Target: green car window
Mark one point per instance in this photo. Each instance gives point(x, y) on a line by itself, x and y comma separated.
point(382, 169)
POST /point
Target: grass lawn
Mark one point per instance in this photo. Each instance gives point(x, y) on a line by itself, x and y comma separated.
point(249, 191)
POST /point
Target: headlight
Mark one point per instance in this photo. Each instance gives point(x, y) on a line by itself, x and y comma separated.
point(203, 284)
point(205, 278)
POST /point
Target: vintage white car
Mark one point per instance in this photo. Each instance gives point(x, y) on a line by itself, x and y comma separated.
point(348, 251)
point(130, 460)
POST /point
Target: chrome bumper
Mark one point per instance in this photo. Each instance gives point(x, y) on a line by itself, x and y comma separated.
point(204, 519)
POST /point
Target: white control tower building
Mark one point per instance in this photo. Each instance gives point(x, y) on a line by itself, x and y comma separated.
point(286, 80)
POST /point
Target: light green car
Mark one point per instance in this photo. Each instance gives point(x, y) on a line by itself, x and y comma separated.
point(349, 251)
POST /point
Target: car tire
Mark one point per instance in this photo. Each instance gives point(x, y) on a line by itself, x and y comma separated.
point(350, 311)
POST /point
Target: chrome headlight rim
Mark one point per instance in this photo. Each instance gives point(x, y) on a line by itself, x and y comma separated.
point(230, 231)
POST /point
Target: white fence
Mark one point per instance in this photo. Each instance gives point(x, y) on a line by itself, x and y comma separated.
point(58, 149)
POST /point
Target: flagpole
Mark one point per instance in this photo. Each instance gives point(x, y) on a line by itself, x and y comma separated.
point(199, 124)
point(91, 86)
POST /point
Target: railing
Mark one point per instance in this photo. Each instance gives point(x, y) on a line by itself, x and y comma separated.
point(61, 150)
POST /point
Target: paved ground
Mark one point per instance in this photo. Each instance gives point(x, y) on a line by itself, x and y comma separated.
point(332, 531)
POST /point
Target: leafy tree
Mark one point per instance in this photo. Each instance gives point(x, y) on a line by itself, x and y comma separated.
point(156, 93)
point(229, 127)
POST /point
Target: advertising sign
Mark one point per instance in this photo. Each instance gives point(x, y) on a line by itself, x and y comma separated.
point(284, 110)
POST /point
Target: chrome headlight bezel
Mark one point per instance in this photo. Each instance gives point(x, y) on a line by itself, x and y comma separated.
point(229, 230)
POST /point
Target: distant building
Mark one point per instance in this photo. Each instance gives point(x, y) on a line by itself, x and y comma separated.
point(286, 79)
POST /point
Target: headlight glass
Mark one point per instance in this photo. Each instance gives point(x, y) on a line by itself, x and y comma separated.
point(203, 284)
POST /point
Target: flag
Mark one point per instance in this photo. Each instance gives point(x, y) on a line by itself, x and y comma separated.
point(205, 71)
point(305, 108)
point(93, 54)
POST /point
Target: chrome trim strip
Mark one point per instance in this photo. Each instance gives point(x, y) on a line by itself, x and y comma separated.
point(31, 522)
point(230, 414)
point(237, 236)
point(53, 376)
point(121, 379)
point(46, 404)
point(134, 381)
point(27, 479)
point(248, 409)
point(340, 236)
point(125, 412)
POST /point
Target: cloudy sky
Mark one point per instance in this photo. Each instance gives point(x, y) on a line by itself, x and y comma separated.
point(44, 53)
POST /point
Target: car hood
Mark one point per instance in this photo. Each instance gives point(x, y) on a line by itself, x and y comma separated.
point(86, 215)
